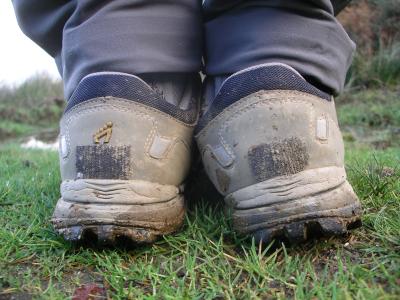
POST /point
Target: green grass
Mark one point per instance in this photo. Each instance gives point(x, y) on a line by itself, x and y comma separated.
point(35, 105)
point(370, 117)
point(205, 260)
point(379, 70)
point(9, 129)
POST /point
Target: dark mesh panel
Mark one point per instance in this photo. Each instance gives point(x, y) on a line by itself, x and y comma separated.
point(103, 162)
point(264, 78)
point(281, 158)
point(129, 88)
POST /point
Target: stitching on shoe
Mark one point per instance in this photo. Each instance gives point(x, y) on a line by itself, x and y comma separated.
point(130, 103)
point(149, 137)
point(262, 93)
point(88, 110)
point(74, 114)
point(252, 106)
point(150, 140)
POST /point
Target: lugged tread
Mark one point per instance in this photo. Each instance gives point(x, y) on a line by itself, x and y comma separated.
point(301, 231)
point(109, 235)
point(123, 220)
point(329, 213)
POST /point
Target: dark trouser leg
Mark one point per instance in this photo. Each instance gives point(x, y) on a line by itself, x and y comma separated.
point(302, 34)
point(129, 36)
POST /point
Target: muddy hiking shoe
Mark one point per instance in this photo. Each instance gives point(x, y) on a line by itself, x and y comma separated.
point(271, 144)
point(125, 147)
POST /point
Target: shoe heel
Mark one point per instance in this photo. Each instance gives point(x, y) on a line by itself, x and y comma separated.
point(106, 211)
point(297, 207)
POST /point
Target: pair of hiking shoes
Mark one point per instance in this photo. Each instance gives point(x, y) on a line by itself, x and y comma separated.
point(269, 142)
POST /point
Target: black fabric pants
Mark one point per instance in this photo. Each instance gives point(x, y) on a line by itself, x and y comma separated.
point(172, 36)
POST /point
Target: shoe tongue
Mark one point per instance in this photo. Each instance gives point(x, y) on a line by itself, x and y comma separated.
point(176, 89)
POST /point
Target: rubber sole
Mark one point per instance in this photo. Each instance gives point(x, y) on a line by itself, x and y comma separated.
point(312, 203)
point(117, 212)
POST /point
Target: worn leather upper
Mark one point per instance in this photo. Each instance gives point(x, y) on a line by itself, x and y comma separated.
point(268, 134)
point(145, 143)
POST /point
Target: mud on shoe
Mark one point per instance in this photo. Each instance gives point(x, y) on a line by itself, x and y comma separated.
point(124, 154)
point(271, 144)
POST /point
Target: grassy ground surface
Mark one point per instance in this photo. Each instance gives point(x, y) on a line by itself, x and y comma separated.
point(31, 108)
point(206, 260)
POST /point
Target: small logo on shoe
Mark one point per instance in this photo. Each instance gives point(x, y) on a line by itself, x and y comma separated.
point(103, 133)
